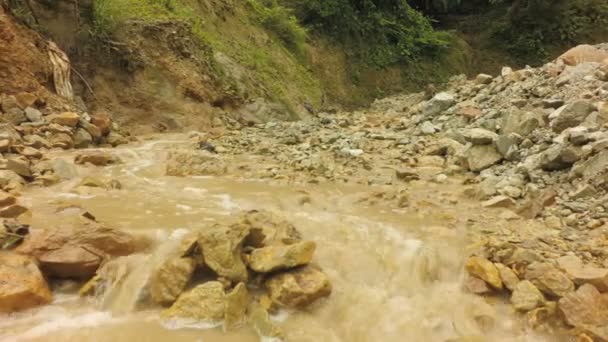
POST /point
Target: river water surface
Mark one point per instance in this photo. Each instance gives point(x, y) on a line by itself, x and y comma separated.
point(396, 274)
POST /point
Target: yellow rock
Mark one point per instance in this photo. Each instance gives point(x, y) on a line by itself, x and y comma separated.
point(485, 270)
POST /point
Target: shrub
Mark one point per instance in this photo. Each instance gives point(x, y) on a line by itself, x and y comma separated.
point(281, 21)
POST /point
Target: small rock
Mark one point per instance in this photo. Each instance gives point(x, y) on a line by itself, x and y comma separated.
point(82, 138)
point(549, 279)
point(476, 285)
point(438, 104)
point(480, 157)
point(20, 166)
point(427, 128)
point(183, 163)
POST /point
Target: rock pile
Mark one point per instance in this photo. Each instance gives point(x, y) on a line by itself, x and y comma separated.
point(230, 274)
point(29, 129)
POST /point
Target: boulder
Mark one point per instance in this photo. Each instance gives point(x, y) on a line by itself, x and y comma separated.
point(169, 280)
point(268, 229)
point(98, 158)
point(9, 180)
point(22, 286)
point(480, 157)
point(549, 279)
point(477, 286)
point(508, 277)
point(506, 145)
point(570, 115)
point(93, 130)
point(183, 163)
point(592, 167)
point(276, 258)
point(584, 307)
point(65, 119)
point(64, 169)
point(298, 287)
point(237, 302)
point(33, 114)
point(82, 138)
point(221, 248)
point(19, 165)
point(116, 139)
point(560, 157)
point(61, 140)
point(438, 104)
point(483, 79)
point(520, 122)
point(484, 269)
point(14, 116)
point(103, 122)
point(12, 211)
point(77, 248)
point(526, 296)
point(479, 136)
point(583, 54)
point(582, 274)
point(204, 303)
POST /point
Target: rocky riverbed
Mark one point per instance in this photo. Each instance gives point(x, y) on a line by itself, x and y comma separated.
point(473, 213)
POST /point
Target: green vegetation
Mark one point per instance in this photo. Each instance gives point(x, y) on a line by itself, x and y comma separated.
point(529, 31)
point(281, 21)
point(380, 32)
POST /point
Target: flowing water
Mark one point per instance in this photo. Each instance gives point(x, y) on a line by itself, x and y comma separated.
point(396, 274)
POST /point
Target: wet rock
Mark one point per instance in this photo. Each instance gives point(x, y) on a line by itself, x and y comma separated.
point(584, 307)
point(82, 138)
point(267, 229)
point(103, 122)
point(526, 296)
point(221, 248)
point(183, 163)
point(98, 158)
point(116, 139)
point(484, 269)
point(61, 140)
point(204, 303)
point(91, 129)
point(22, 286)
point(65, 119)
point(508, 277)
point(237, 302)
point(77, 248)
point(477, 286)
point(9, 180)
point(33, 114)
point(479, 136)
point(438, 104)
point(275, 258)
point(170, 279)
point(64, 169)
point(549, 279)
point(478, 158)
point(20, 166)
point(299, 287)
point(570, 115)
point(262, 324)
point(12, 211)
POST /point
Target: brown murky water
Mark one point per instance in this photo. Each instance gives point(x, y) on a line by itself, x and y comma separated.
point(396, 273)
